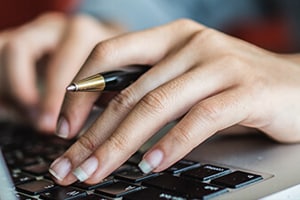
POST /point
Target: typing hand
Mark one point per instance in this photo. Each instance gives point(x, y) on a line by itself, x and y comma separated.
point(208, 80)
point(66, 41)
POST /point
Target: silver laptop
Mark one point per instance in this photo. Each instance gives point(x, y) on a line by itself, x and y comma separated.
point(276, 165)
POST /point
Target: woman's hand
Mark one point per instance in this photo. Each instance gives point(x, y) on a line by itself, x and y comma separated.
point(209, 80)
point(66, 41)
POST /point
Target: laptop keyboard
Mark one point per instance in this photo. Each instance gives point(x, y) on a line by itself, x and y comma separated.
point(28, 156)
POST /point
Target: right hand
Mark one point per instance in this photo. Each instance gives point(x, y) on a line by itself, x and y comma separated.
point(65, 41)
point(206, 79)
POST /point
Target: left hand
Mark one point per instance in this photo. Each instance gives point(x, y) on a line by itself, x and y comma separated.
point(214, 80)
point(36, 92)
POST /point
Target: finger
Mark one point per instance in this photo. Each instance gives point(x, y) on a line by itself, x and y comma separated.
point(203, 120)
point(74, 47)
point(24, 47)
point(154, 111)
point(146, 47)
point(123, 103)
point(143, 121)
point(105, 98)
point(20, 79)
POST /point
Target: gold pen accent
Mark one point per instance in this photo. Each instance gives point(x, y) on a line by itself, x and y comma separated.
point(92, 83)
point(109, 81)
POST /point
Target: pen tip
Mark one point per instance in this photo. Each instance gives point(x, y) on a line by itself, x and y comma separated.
point(71, 87)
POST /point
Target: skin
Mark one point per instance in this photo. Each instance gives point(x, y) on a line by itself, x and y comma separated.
point(208, 80)
point(59, 44)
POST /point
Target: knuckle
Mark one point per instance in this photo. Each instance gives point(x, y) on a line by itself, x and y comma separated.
point(205, 35)
point(205, 113)
point(80, 23)
point(125, 100)
point(77, 25)
point(88, 142)
point(183, 136)
point(118, 143)
point(13, 45)
point(238, 66)
point(184, 22)
point(188, 24)
point(155, 102)
point(103, 51)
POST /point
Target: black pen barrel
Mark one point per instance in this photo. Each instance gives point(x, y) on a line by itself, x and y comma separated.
point(118, 80)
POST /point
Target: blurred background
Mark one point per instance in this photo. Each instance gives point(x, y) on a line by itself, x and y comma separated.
point(271, 24)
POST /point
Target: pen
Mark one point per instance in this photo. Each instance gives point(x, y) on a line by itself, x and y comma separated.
point(109, 81)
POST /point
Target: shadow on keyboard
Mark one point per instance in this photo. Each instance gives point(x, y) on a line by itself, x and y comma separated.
point(28, 156)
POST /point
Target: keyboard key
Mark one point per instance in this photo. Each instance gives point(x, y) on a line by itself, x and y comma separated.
point(34, 149)
point(183, 165)
point(207, 172)
point(19, 178)
point(237, 179)
point(28, 162)
point(36, 187)
point(152, 193)
point(16, 158)
point(185, 187)
point(85, 186)
point(122, 168)
point(135, 158)
point(117, 189)
point(37, 169)
point(52, 156)
point(48, 176)
point(134, 175)
point(65, 193)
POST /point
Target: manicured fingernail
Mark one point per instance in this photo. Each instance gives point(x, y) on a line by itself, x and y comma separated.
point(84, 171)
point(151, 161)
point(60, 168)
point(62, 128)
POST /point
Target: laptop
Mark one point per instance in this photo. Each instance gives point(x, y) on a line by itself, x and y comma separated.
point(226, 166)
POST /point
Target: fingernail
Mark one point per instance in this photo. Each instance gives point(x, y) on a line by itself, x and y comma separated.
point(60, 168)
point(89, 166)
point(151, 161)
point(62, 128)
